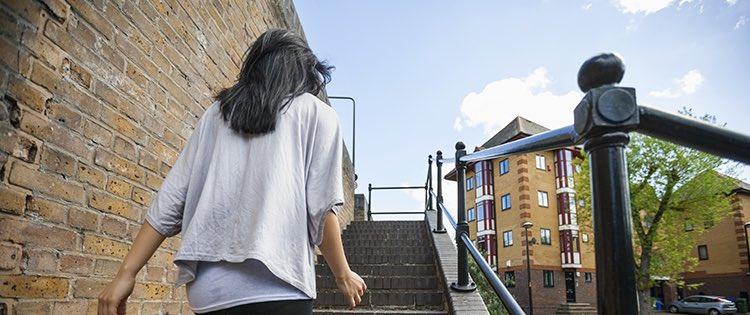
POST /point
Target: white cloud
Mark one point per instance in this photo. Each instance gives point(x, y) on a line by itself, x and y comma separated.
point(644, 6)
point(741, 22)
point(457, 124)
point(687, 84)
point(732, 2)
point(586, 7)
point(450, 192)
point(665, 93)
point(501, 101)
point(691, 81)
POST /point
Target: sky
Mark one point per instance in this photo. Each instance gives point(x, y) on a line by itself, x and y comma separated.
point(426, 74)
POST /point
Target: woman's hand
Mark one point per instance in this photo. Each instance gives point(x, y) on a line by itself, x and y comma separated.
point(353, 288)
point(114, 297)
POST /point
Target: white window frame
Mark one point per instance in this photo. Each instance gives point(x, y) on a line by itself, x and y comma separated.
point(508, 241)
point(541, 162)
point(542, 198)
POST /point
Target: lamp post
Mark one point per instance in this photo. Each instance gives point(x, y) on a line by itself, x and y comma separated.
point(526, 226)
point(354, 130)
point(747, 243)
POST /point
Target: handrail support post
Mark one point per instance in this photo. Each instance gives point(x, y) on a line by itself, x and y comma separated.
point(440, 229)
point(462, 284)
point(369, 202)
point(428, 188)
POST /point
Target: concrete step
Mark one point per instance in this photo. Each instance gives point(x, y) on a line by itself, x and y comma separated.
point(575, 309)
point(351, 243)
point(322, 269)
point(385, 299)
point(403, 282)
point(389, 250)
point(385, 237)
point(358, 311)
point(394, 259)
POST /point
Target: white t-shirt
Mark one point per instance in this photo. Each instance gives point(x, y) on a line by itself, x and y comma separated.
point(235, 197)
point(220, 285)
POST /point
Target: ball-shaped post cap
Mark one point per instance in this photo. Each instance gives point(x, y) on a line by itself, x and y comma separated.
point(460, 145)
point(439, 153)
point(602, 69)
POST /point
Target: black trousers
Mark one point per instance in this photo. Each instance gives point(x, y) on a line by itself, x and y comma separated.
point(291, 307)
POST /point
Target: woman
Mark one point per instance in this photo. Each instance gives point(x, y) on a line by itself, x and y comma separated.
point(255, 189)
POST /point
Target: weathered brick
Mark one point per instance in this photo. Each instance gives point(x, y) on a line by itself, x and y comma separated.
point(47, 130)
point(83, 219)
point(119, 165)
point(153, 181)
point(89, 287)
point(106, 267)
point(90, 175)
point(94, 132)
point(41, 235)
point(114, 226)
point(41, 261)
point(33, 179)
point(10, 256)
point(93, 17)
point(64, 115)
point(119, 187)
point(49, 210)
point(125, 148)
point(76, 72)
point(155, 273)
point(26, 92)
point(12, 201)
point(30, 11)
point(142, 196)
point(35, 307)
point(124, 125)
point(151, 291)
point(114, 205)
point(58, 8)
point(19, 145)
point(76, 264)
point(58, 162)
point(148, 161)
point(75, 307)
point(114, 98)
point(28, 286)
point(98, 245)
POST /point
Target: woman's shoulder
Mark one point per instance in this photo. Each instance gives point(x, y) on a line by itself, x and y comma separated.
point(311, 105)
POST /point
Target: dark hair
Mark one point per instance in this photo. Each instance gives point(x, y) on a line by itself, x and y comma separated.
point(278, 67)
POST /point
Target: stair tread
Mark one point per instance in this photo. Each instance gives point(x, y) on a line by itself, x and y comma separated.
point(377, 311)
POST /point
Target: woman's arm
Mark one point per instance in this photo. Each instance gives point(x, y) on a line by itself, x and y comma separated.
point(112, 299)
point(349, 282)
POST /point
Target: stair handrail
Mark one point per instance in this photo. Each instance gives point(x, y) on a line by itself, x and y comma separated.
point(370, 188)
point(464, 243)
point(602, 122)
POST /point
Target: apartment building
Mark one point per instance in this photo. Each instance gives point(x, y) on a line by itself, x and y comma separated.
point(503, 194)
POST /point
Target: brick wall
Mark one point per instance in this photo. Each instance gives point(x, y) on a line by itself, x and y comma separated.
point(97, 98)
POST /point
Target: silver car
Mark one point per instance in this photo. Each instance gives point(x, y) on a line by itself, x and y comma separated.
point(703, 304)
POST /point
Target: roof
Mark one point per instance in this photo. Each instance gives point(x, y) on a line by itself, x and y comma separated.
point(743, 187)
point(517, 128)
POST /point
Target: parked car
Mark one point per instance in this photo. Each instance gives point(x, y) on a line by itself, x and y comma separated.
point(703, 304)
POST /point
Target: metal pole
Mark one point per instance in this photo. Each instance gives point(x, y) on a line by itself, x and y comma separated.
point(369, 202)
point(610, 199)
point(429, 183)
point(526, 226)
point(439, 165)
point(463, 284)
point(354, 130)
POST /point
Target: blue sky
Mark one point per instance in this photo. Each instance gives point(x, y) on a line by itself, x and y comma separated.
point(426, 74)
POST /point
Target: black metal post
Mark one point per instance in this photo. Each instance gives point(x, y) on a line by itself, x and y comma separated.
point(429, 183)
point(439, 165)
point(526, 226)
point(369, 202)
point(463, 283)
point(610, 198)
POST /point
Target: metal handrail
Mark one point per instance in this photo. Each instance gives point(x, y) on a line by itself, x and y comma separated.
point(497, 285)
point(548, 140)
point(370, 188)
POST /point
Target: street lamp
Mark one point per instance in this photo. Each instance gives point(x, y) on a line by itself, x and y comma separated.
point(526, 226)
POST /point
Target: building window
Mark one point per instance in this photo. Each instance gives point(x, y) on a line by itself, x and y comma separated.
point(543, 198)
point(688, 226)
point(546, 237)
point(588, 277)
point(584, 237)
point(505, 202)
point(470, 215)
point(702, 252)
point(480, 211)
point(507, 238)
point(541, 162)
point(469, 183)
point(504, 166)
point(549, 278)
point(510, 279)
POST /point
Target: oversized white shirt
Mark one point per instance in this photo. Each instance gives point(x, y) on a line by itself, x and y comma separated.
point(236, 197)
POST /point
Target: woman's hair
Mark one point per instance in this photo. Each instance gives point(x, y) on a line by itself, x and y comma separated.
point(278, 67)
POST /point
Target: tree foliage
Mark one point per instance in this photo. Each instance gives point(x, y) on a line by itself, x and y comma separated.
point(676, 194)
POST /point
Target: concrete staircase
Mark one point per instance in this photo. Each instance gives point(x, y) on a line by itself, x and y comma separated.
point(397, 261)
point(575, 309)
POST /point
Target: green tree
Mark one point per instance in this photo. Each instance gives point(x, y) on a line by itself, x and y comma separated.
point(491, 301)
point(676, 194)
